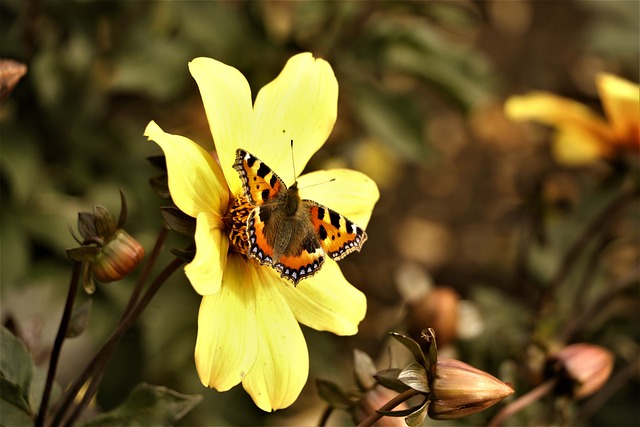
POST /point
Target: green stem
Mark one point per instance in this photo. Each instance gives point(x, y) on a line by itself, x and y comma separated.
point(402, 397)
point(325, 416)
point(609, 212)
point(100, 360)
point(57, 344)
point(151, 261)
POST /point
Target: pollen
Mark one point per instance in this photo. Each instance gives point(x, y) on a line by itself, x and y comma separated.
point(235, 222)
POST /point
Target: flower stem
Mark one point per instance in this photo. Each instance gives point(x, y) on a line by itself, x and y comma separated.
point(402, 397)
point(522, 402)
point(608, 213)
point(325, 416)
point(99, 361)
point(155, 252)
point(96, 367)
point(57, 344)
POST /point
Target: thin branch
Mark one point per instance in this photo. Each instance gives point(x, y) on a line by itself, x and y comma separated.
point(401, 398)
point(325, 416)
point(612, 291)
point(151, 261)
point(609, 212)
point(57, 344)
point(110, 345)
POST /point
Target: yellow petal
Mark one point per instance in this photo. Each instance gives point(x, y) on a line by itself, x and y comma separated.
point(227, 342)
point(195, 179)
point(621, 101)
point(326, 301)
point(301, 104)
point(227, 101)
point(575, 147)
point(348, 192)
point(557, 111)
point(282, 365)
point(212, 244)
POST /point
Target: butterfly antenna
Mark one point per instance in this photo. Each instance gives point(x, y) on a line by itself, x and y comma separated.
point(293, 162)
point(319, 183)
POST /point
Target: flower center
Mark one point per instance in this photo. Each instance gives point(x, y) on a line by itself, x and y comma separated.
point(235, 222)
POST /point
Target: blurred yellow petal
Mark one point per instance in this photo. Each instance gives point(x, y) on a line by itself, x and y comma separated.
point(557, 111)
point(195, 179)
point(348, 192)
point(326, 301)
point(575, 147)
point(301, 104)
point(621, 102)
point(282, 365)
point(227, 101)
point(227, 342)
point(212, 244)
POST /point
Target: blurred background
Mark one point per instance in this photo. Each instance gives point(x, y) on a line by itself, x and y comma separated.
point(472, 204)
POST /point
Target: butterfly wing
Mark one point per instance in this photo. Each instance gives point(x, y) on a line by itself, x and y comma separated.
point(259, 182)
point(338, 236)
point(305, 261)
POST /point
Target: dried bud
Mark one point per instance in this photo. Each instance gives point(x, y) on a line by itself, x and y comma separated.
point(118, 258)
point(459, 390)
point(438, 310)
point(373, 400)
point(581, 369)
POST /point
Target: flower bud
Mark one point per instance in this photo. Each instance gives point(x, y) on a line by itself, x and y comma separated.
point(373, 400)
point(459, 390)
point(438, 310)
point(581, 369)
point(117, 258)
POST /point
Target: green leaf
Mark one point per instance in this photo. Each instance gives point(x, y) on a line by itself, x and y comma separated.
point(79, 319)
point(179, 221)
point(185, 255)
point(365, 370)
point(86, 225)
point(415, 376)
point(417, 418)
point(333, 394)
point(412, 346)
point(11, 415)
point(148, 405)
point(389, 378)
point(430, 336)
point(83, 253)
point(123, 211)
point(105, 221)
point(16, 371)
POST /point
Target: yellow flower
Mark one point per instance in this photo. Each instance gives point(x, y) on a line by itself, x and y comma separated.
point(582, 136)
point(248, 327)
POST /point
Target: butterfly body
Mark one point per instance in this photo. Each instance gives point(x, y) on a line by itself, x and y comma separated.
point(290, 234)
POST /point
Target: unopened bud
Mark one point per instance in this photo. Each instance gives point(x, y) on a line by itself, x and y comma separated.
point(119, 257)
point(459, 390)
point(438, 310)
point(581, 369)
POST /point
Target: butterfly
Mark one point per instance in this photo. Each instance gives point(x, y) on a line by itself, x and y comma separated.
point(291, 235)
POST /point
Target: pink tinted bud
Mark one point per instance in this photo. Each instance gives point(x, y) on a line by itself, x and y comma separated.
point(459, 390)
point(582, 369)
